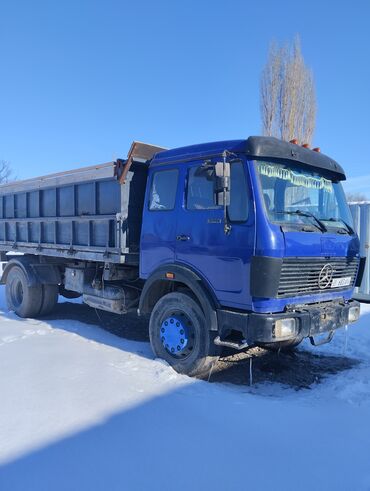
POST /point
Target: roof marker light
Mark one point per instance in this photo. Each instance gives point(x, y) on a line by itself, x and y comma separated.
point(316, 149)
point(294, 141)
point(306, 145)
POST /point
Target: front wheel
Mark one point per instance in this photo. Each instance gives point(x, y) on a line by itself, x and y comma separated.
point(179, 335)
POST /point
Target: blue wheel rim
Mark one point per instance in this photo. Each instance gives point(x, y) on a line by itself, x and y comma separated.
point(177, 334)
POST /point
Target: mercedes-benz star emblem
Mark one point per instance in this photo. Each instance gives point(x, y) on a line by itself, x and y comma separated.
point(325, 276)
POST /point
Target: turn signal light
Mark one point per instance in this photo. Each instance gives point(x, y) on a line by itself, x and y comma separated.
point(353, 313)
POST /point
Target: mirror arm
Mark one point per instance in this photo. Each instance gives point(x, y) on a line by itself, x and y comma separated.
point(227, 225)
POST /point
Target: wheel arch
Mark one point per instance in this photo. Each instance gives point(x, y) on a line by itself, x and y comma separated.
point(36, 273)
point(160, 282)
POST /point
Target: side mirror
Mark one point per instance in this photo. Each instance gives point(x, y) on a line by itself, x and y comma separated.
point(223, 198)
point(222, 171)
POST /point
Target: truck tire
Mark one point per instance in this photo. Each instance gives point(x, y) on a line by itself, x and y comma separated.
point(24, 300)
point(49, 299)
point(179, 335)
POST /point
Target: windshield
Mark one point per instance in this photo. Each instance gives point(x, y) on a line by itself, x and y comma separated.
point(303, 197)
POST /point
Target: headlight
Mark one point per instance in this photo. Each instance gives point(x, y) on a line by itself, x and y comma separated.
point(285, 328)
point(353, 313)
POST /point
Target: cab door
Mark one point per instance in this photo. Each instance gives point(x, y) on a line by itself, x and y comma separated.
point(222, 259)
point(158, 234)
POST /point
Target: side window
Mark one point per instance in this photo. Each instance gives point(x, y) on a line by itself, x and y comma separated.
point(238, 209)
point(200, 190)
point(163, 190)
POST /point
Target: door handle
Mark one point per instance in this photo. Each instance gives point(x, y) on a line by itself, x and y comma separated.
point(182, 238)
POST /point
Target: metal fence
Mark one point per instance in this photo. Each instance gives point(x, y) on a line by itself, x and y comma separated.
point(361, 218)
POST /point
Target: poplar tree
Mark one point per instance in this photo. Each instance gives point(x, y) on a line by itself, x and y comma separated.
point(287, 94)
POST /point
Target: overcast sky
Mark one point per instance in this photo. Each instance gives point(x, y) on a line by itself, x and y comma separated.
point(81, 79)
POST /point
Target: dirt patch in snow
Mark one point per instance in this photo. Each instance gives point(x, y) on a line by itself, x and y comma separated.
point(297, 369)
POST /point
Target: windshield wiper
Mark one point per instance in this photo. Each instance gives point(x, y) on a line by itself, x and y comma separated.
point(301, 213)
point(348, 227)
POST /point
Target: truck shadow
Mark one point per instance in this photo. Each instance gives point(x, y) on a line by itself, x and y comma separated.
point(143, 447)
point(129, 326)
point(298, 369)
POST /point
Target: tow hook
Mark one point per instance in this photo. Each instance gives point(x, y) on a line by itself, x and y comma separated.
point(323, 341)
point(231, 344)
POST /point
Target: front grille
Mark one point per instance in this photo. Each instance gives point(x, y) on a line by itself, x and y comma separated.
point(300, 276)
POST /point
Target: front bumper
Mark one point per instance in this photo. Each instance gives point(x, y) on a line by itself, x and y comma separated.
point(311, 320)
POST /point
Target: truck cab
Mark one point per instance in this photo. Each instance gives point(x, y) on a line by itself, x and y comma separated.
point(262, 228)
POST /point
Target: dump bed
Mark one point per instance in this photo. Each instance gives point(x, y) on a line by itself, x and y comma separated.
point(93, 213)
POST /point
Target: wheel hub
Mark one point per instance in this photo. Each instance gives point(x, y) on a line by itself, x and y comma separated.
point(17, 293)
point(174, 335)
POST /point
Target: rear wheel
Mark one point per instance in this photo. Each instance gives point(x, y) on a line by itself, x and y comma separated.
point(49, 299)
point(24, 300)
point(179, 335)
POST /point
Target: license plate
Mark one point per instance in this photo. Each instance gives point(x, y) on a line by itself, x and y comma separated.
point(341, 282)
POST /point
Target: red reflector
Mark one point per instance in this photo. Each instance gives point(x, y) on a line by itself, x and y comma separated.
point(170, 276)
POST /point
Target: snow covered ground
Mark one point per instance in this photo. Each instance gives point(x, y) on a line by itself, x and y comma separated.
point(84, 409)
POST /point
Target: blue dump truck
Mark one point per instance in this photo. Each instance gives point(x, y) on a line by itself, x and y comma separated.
point(229, 244)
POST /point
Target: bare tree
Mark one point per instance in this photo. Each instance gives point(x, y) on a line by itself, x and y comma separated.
point(5, 171)
point(287, 94)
